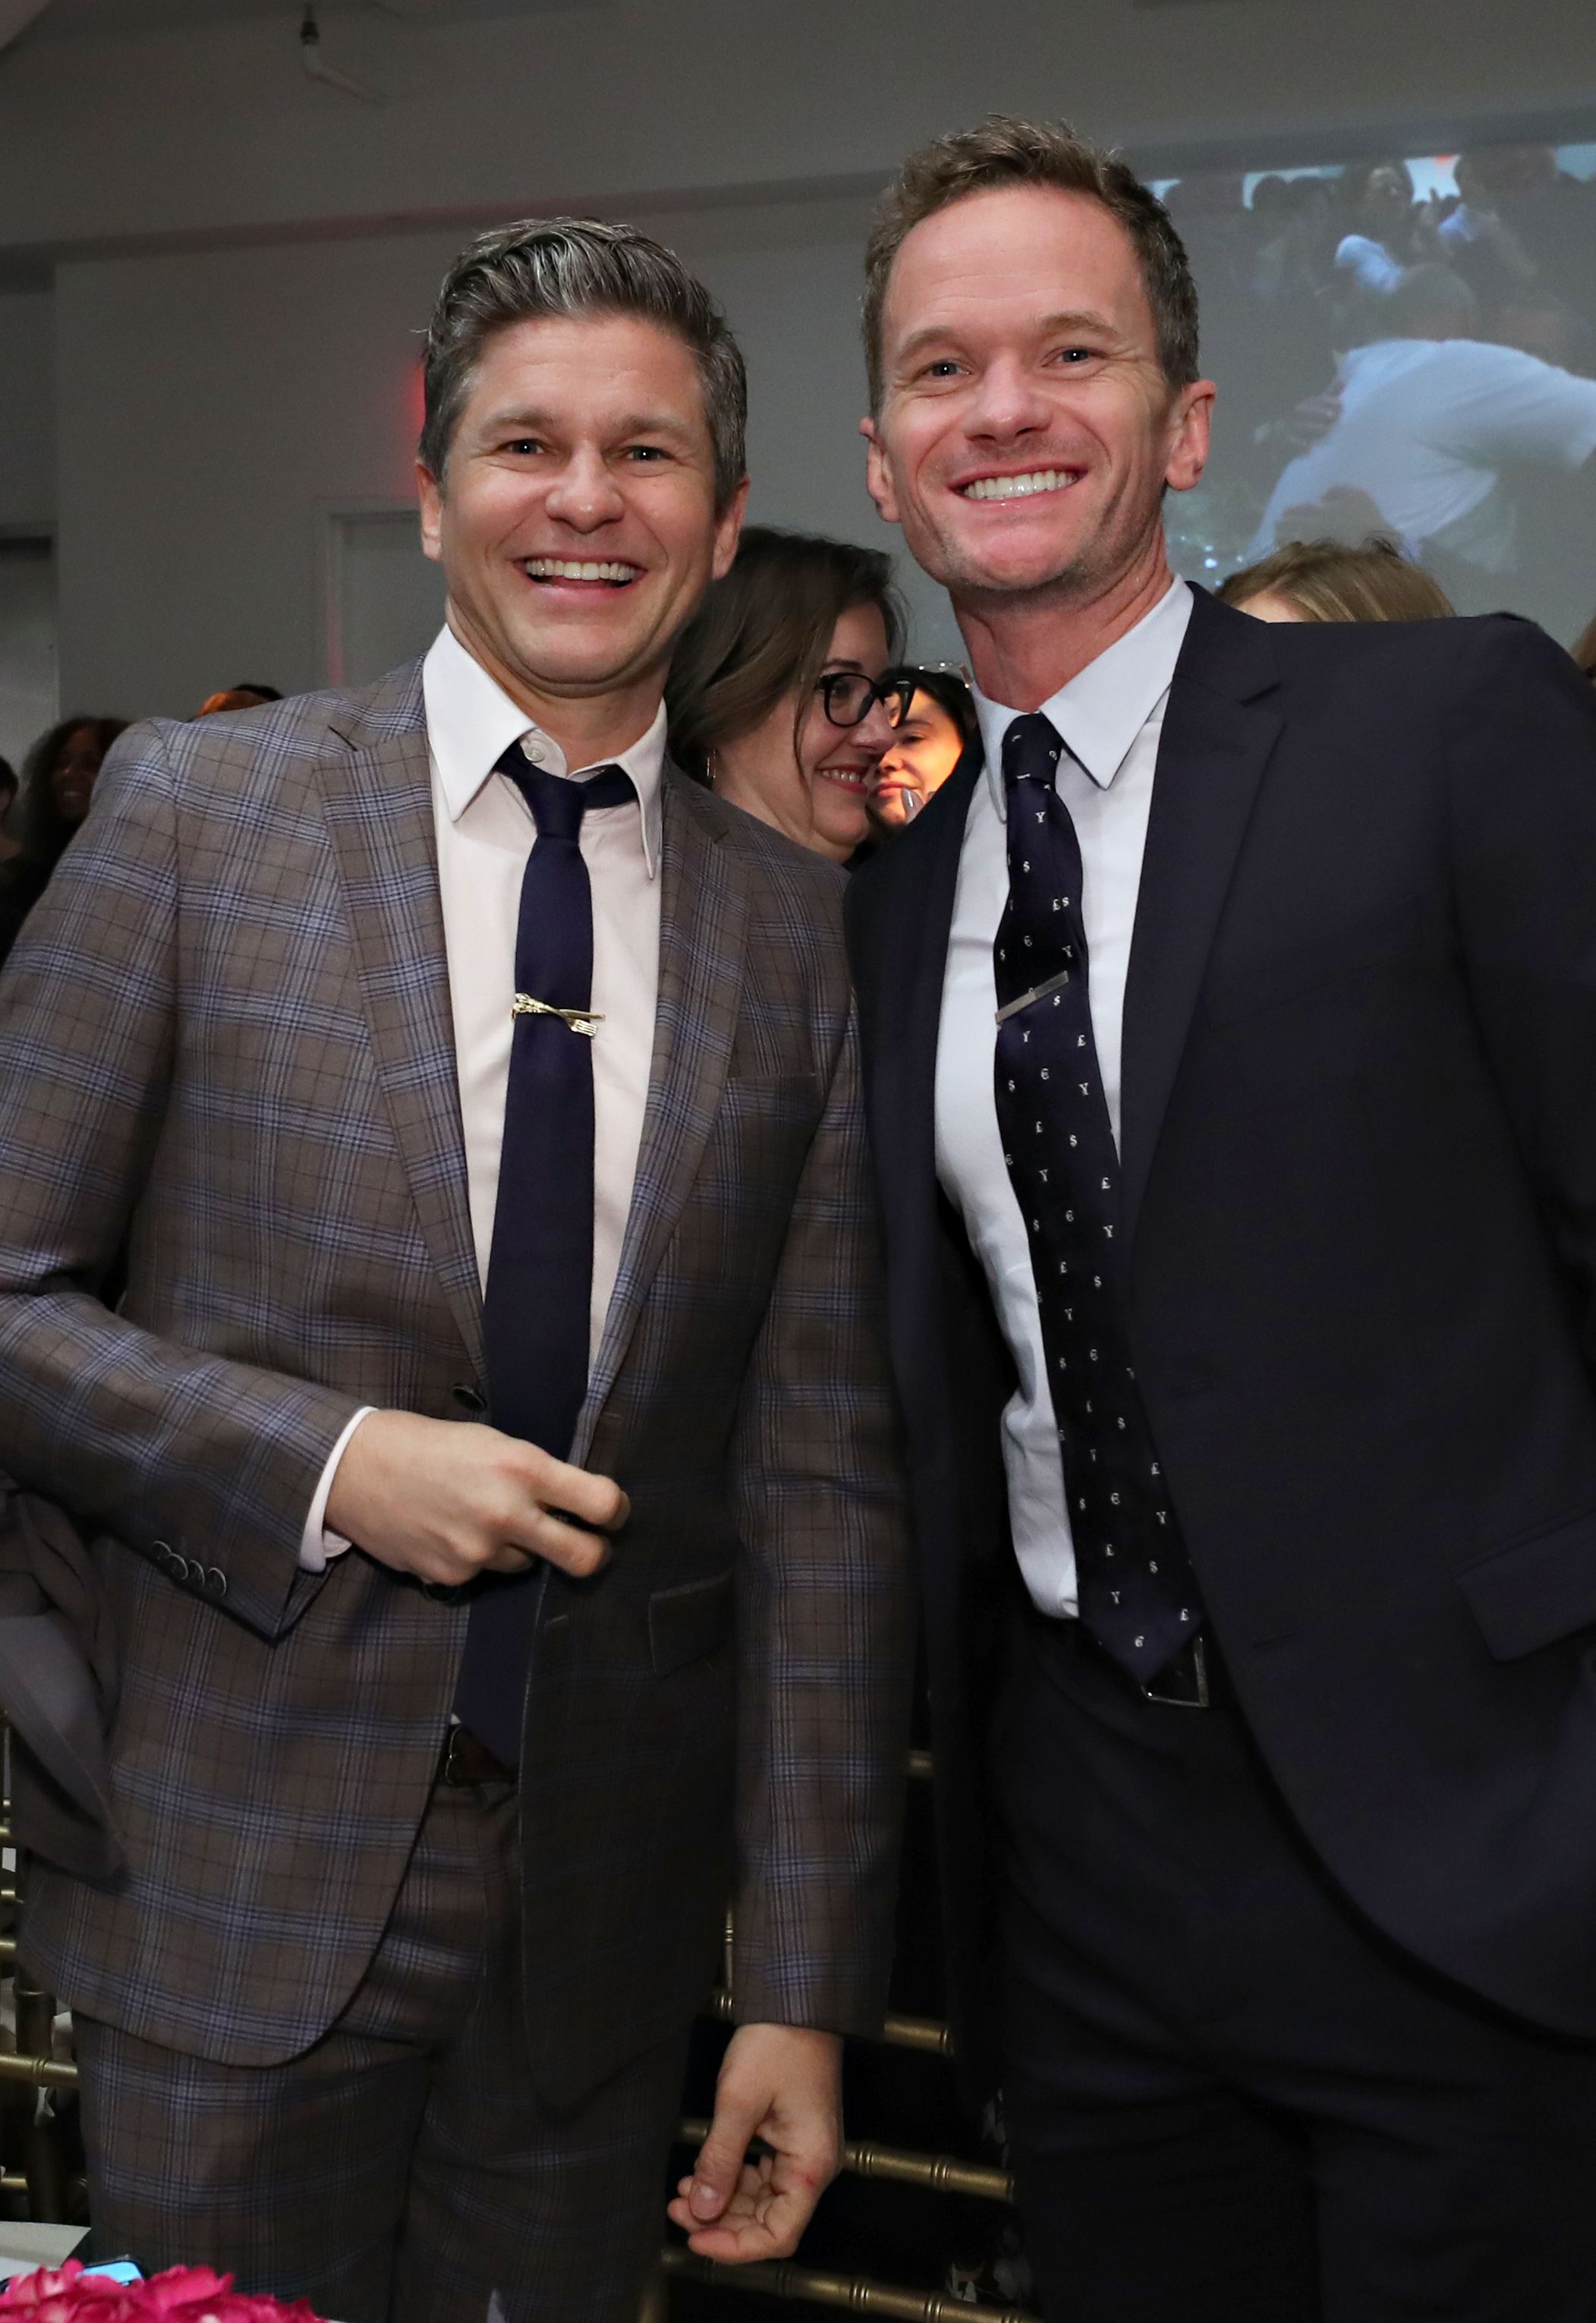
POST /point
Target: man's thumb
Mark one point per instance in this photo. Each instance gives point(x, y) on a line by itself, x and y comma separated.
point(721, 2155)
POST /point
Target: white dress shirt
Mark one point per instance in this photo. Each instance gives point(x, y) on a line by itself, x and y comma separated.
point(1110, 717)
point(485, 834)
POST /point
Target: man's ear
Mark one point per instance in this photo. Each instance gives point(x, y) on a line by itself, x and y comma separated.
point(878, 475)
point(729, 525)
point(430, 494)
point(1189, 441)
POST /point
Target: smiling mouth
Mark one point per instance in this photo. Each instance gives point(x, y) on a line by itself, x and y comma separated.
point(609, 575)
point(1019, 487)
point(847, 778)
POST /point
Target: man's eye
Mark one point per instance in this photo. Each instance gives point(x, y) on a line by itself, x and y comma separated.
point(646, 452)
point(944, 367)
point(523, 444)
point(1076, 355)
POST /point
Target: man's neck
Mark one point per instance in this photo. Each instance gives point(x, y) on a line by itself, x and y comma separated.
point(1022, 648)
point(589, 728)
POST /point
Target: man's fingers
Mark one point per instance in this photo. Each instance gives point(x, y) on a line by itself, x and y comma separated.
point(575, 1551)
point(598, 1501)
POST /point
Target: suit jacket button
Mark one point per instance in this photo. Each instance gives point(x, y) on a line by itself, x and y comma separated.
point(470, 1399)
point(215, 1581)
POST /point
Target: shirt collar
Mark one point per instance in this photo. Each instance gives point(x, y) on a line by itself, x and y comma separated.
point(1105, 706)
point(471, 721)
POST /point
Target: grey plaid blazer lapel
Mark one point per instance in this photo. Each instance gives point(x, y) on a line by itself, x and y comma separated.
point(376, 783)
point(704, 911)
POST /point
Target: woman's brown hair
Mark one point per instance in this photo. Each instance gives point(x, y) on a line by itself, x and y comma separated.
point(1328, 581)
point(764, 631)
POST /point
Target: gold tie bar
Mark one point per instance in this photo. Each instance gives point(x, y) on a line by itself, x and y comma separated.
point(575, 1020)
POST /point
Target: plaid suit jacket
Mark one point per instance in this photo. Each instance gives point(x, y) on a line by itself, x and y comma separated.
point(226, 1046)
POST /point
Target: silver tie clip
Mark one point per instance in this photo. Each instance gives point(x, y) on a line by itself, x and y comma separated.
point(575, 1020)
point(1037, 992)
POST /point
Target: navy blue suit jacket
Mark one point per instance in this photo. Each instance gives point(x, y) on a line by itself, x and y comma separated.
point(1359, 1146)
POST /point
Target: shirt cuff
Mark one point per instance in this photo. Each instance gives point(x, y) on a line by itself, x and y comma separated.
point(317, 1544)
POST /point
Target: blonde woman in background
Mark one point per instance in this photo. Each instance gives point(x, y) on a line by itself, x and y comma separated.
point(1328, 581)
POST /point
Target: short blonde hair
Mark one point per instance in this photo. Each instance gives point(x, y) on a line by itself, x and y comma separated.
point(1328, 581)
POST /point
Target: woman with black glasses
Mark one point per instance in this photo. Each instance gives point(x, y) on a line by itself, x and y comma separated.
point(775, 696)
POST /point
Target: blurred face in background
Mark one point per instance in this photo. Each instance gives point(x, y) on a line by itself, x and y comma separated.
point(926, 746)
point(802, 769)
point(73, 773)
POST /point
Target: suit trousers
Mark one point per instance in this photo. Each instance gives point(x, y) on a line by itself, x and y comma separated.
point(402, 2170)
point(1227, 2094)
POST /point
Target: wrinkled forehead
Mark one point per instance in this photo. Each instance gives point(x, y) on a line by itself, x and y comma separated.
point(1014, 259)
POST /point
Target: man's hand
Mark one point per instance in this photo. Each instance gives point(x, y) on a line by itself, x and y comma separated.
point(445, 1500)
point(783, 2084)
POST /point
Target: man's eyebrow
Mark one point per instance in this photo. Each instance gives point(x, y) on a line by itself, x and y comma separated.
point(523, 420)
point(1068, 318)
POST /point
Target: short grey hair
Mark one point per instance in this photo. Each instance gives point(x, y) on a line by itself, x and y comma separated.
point(1004, 150)
point(546, 267)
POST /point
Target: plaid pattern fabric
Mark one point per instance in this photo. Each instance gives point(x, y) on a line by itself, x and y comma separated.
point(401, 2171)
point(226, 1040)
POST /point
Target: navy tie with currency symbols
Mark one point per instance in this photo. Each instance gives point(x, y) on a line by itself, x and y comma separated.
point(540, 1267)
point(1138, 1594)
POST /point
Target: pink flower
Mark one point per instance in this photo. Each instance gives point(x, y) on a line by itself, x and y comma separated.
point(183, 2294)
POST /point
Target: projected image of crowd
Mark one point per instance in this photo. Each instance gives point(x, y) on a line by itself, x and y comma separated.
point(1405, 347)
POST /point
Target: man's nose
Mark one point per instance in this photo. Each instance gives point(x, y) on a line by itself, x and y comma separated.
point(1009, 401)
point(585, 495)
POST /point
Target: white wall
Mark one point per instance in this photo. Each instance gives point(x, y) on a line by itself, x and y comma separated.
point(27, 410)
point(214, 130)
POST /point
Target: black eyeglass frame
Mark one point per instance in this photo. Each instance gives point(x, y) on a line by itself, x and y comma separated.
point(829, 686)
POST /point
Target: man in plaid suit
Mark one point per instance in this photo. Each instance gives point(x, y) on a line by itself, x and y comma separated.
point(384, 2010)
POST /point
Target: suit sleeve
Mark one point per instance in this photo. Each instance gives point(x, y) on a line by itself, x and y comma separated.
point(171, 1450)
point(1522, 801)
point(824, 1618)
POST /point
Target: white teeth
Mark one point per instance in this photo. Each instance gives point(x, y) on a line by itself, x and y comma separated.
point(566, 568)
point(1017, 487)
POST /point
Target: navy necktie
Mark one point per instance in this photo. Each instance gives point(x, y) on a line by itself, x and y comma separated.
point(540, 1267)
point(1138, 1594)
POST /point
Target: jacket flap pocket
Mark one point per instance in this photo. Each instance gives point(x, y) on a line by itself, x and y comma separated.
point(689, 1621)
point(1534, 1592)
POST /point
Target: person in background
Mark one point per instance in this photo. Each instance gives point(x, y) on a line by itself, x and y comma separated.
point(237, 697)
point(1430, 416)
point(1378, 246)
point(776, 696)
point(9, 846)
point(933, 725)
point(59, 777)
point(1329, 581)
point(1583, 649)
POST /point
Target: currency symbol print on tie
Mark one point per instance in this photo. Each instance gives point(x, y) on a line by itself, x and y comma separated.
point(1138, 1593)
point(540, 1265)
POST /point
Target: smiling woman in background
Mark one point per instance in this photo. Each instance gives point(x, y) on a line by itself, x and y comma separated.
point(774, 695)
point(934, 723)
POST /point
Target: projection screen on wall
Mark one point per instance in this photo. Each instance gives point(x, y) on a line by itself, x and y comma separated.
point(1404, 345)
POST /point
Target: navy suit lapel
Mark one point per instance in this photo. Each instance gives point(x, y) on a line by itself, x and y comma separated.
point(376, 785)
point(1216, 739)
point(702, 917)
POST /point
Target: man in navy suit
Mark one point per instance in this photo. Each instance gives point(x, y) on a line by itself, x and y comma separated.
point(1230, 1026)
